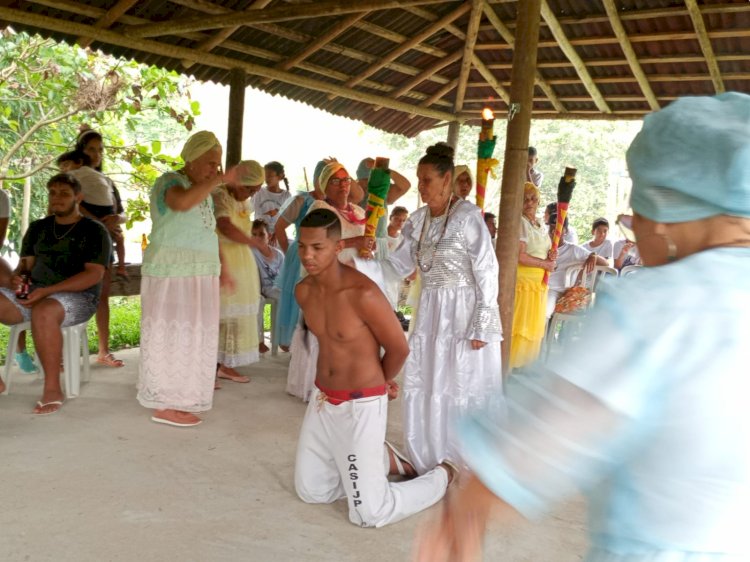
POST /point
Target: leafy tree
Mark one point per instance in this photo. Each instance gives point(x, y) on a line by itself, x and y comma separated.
point(48, 90)
point(593, 147)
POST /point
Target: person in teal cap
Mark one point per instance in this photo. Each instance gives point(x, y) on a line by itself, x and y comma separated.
point(647, 413)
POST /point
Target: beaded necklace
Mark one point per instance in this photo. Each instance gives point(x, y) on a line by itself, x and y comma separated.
point(430, 249)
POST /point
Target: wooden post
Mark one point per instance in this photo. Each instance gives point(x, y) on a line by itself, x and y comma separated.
point(453, 128)
point(237, 85)
point(523, 74)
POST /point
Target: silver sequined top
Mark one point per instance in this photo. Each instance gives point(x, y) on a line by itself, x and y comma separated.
point(462, 256)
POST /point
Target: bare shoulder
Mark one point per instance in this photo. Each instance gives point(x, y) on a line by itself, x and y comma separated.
point(362, 289)
point(303, 289)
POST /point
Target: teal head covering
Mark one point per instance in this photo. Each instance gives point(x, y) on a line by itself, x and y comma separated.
point(691, 160)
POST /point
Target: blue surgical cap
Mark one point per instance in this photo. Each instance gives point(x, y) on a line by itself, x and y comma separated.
point(691, 160)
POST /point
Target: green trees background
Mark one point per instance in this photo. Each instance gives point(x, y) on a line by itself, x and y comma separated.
point(49, 90)
point(595, 148)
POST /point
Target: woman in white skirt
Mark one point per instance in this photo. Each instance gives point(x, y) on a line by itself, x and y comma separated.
point(180, 288)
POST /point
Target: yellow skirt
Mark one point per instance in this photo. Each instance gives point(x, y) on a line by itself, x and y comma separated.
point(528, 316)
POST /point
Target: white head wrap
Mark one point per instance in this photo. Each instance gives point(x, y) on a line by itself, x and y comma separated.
point(198, 144)
point(252, 173)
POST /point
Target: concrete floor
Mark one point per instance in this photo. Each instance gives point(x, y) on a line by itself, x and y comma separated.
point(98, 482)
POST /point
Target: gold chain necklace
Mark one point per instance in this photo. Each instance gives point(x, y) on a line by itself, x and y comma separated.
point(54, 230)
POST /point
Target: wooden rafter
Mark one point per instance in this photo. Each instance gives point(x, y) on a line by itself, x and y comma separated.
point(509, 38)
point(378, 31)
point(705, 43)
point(209, 59)
point(429, 16)
point(574, 58)
point(630, 56)
point(320, 42)
point(472, 30)
point(110, 17)
point(659, 59)
point(440, 93)
point(491, 79)
point(326, 8)
point(429, 71)
point(429, 31)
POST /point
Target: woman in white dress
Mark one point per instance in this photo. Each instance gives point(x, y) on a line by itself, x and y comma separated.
point(455, 364)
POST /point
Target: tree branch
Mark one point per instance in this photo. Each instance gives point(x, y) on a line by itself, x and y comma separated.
point(33, 129)
point(30, 172)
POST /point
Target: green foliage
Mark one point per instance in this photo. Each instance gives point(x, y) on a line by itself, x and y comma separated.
point(48, 90)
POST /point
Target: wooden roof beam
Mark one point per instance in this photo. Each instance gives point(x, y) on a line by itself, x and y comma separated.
point(110, 17)
point(320, 42)
point(429, 16)
point(574, 58)
point(630, 56)
point(452, 85)
point(378, 31)
point(472, 29)
point(408, 45)
point(705, 43)
point(491, 79)
point(209, 59)
point(322, 8)
point(426, 73)
point(509, 38)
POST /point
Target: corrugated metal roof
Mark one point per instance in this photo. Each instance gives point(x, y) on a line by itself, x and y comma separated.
point(661, 33)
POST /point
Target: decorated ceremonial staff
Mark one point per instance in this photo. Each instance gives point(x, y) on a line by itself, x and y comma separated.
point(485, 162)
point(377, 191)
point(564, 195)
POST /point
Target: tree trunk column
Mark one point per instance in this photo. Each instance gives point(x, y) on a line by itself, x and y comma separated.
point(514, 164)
point(237, 85)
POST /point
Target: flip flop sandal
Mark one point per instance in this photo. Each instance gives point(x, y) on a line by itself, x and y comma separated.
point(109, 360)
point(234, 378)
point(174, 423)
point(41, 405)
point(399, 459)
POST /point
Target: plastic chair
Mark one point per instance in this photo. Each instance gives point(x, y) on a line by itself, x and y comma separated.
point(274, 307)
point(75, 356)
point(590, 280)
point(558, 320)
point(630, 270)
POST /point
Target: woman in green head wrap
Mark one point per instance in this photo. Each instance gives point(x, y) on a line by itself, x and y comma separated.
point(180, 287)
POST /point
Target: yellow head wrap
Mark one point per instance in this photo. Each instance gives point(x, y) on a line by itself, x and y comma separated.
point(529, 187)
point(462, 169)
point(252, 173)
point(327, 173)
point(198, 144)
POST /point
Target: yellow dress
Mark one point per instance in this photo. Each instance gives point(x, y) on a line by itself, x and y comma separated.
point(531, 298)
point(238, 327)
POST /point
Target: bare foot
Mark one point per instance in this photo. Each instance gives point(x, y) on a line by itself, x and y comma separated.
point(177, 418)
point(284, 348)
point(263, 348)
point(231, 374)
point(121, 271)
point(217, 384)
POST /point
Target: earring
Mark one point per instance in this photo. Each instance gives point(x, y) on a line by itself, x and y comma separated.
point(671, 248)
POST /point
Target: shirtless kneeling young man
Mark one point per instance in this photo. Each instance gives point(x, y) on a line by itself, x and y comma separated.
point(342, 450)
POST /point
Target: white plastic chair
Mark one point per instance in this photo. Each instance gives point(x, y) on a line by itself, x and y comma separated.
point(75, 356)
point(274, 307)
point(630, 270)
point(590, 280)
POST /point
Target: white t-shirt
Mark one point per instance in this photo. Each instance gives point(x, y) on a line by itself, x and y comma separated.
point(95, 186)
point(634, 256)
point(265, 201)
point(604, 249)
point(394, 242)
point(567, 255)
point(4, 204)
point(571, 237)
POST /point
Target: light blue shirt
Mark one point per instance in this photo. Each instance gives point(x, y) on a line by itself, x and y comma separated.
point(648, 414)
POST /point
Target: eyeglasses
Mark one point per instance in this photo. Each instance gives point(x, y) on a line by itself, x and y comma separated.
point(335, 182)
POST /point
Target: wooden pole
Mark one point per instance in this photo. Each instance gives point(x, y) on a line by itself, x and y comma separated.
point(453, 128)
point(237, 85)
point(523, 75)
